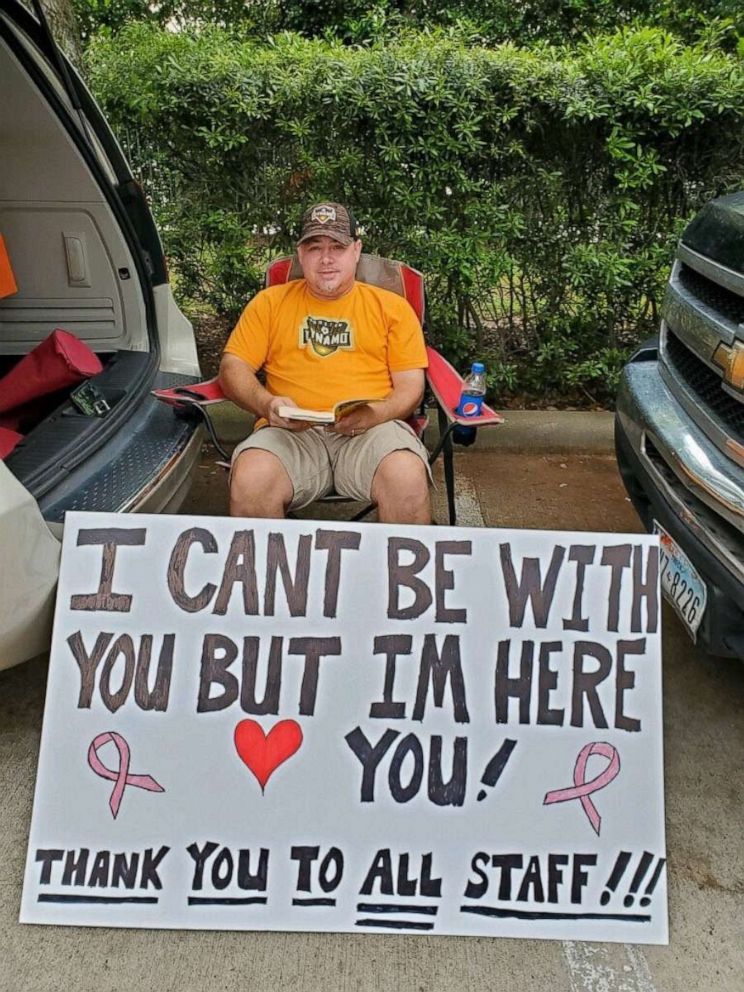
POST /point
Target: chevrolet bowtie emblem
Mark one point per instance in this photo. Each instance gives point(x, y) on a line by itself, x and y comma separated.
point(730, 358)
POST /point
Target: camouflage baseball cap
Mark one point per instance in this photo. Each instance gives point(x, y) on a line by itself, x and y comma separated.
point(331, 220)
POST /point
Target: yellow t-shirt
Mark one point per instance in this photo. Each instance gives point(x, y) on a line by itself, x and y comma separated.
point(320, 352)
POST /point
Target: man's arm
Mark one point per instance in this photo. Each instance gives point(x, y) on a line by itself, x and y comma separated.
point(406, 394)
point(239, 384)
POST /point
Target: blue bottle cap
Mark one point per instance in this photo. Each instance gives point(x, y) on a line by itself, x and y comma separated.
point(478, 367)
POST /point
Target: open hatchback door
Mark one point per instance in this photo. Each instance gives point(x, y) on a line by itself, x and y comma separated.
point(79, 256)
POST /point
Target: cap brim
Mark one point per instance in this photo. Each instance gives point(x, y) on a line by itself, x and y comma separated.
point(323, 232)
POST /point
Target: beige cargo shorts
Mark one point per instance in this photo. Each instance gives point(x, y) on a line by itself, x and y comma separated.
point(319, 462)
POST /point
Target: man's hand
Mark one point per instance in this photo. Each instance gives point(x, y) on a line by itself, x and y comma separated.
point(272, 415)
point(360, 419)
point(408, 389)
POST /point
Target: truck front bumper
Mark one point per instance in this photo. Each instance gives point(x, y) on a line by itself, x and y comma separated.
point(675, 475)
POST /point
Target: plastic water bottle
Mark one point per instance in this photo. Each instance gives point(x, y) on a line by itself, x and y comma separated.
point(471, 400)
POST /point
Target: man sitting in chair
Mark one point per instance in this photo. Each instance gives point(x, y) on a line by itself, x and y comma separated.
point(320, 340)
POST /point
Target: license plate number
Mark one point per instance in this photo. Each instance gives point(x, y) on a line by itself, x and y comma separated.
point(680, 583)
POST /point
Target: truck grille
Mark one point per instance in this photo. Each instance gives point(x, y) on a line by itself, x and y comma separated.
point(705, 384)
point(723, 301)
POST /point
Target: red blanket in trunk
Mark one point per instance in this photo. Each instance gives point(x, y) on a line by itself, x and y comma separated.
point(59, 361)
point(8, 441)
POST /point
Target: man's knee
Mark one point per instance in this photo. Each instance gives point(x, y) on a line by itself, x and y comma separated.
point(259, 478)
point(401, 473)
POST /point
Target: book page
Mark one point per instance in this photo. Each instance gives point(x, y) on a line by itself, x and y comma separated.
point(298, 413)
point(346, 406)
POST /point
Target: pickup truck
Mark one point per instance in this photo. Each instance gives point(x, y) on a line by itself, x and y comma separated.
point(679, 429)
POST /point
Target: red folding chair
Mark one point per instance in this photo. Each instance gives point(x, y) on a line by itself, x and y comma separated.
point(443, 381)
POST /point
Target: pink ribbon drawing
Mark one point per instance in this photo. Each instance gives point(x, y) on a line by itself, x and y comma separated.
point(582, 789)
point(121, 776)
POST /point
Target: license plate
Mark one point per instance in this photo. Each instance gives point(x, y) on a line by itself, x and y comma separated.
point(680, 583)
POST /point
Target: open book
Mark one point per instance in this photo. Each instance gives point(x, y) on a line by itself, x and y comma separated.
point(322, 416)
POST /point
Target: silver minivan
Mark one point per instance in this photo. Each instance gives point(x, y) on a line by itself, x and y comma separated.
point(86, 258)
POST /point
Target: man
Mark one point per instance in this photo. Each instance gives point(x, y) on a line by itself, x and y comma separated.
point(323, 339)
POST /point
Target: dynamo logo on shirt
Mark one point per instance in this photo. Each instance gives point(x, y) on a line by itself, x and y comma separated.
point(325, 336)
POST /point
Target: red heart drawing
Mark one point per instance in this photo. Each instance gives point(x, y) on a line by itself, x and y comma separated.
point(263, 753)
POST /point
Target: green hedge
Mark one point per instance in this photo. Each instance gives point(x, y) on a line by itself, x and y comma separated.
point(540, 190)
point(719, 22)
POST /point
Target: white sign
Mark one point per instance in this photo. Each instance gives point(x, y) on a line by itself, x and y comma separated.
point(312, 725)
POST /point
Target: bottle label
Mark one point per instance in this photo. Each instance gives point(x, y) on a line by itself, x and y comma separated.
point(470, 406)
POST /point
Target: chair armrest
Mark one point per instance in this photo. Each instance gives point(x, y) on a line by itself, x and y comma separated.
point(196, 397)
point(446, 384)
point(198, 394)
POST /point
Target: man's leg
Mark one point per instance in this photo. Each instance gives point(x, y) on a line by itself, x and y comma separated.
point(401, 489)
point(389, 465)
point(275, 470)
point(259, 486)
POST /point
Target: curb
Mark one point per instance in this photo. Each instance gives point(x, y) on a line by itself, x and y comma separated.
point(558, 432)
point(537, 432)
